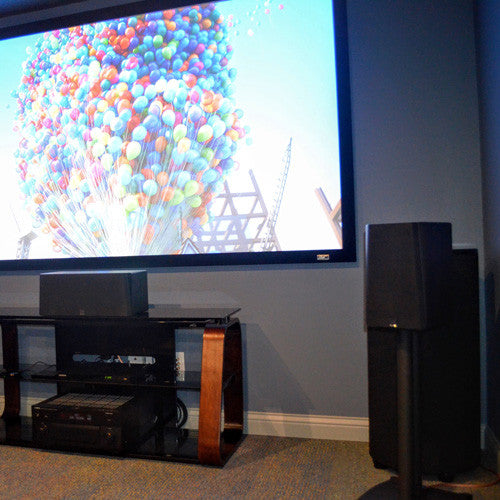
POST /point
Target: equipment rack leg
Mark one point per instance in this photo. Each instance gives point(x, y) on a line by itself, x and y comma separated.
point(12, 395)
point(221, 382)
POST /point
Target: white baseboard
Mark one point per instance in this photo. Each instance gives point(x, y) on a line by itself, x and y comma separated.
point(307, 426)
point(26, 403)
point(297, 425)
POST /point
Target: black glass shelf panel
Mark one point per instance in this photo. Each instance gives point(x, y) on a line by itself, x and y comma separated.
point(170, 313)
point(168, 443)
point(49, 374)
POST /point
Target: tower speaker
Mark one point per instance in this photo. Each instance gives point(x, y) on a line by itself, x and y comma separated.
point(416, 282)
point(408, 268)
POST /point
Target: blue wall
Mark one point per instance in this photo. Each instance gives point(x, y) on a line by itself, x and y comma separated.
point(416, 158)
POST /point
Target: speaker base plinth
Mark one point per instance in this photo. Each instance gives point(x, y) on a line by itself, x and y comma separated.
point(389, 490)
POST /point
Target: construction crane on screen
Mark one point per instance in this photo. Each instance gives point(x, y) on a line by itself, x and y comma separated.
point(269, 236)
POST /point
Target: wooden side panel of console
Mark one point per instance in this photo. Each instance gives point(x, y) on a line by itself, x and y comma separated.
point(221, 384)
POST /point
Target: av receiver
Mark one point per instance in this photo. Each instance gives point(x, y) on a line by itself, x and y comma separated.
point(103, 422)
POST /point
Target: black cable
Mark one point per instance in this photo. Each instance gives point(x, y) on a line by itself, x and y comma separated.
point(182, 413)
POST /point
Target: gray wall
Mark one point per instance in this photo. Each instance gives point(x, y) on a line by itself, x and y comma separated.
point(489, 78)
point(416, 152)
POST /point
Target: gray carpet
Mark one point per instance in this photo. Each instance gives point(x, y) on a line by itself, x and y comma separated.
point(262, 467)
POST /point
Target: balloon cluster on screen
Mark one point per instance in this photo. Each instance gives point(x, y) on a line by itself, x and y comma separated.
point(127, 131)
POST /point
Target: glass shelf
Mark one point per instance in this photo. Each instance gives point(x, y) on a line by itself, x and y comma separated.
point(168, 443)
point(49, 374)
point(168, 313)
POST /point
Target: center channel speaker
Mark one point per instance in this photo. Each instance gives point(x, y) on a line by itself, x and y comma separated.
point(416, 281)
point(93, 293)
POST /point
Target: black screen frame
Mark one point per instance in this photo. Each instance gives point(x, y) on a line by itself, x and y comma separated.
point(346, 254)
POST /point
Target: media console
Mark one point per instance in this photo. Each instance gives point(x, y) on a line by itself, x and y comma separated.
point(129, 357)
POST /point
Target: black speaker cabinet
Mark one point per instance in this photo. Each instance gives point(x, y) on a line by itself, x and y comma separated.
point(93, 293)
point(447, 361)
point(408, 267)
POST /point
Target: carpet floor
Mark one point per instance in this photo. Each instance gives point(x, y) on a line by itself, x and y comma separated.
point(263, 467)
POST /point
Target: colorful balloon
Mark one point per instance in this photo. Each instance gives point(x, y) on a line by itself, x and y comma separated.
point(127, 130)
